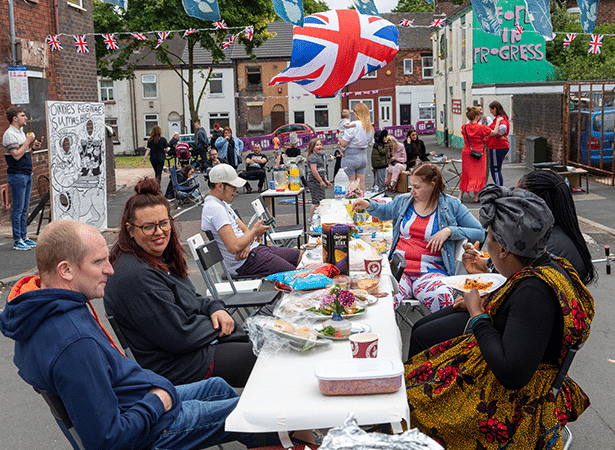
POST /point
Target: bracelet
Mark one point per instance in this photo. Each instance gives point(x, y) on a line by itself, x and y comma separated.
point(480, 316)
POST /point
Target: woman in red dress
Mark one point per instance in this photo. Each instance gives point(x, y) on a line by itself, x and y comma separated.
point(473, 171)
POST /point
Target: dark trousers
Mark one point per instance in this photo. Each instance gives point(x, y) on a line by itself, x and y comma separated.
point(438, 327)
point(255, 174)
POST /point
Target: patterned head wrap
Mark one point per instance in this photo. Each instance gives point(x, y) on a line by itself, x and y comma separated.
point(520, 220)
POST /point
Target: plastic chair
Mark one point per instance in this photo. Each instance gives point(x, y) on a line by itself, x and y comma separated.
point(282, 236)
point(185, 192)
point(235, 295)
point(557, 384)
point(61, 415)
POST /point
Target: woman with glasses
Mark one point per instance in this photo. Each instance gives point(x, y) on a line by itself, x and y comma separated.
point(172, 329)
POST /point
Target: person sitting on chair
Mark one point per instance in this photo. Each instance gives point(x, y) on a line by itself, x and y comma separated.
point(61, 347)
point(212, 160)
point(242, 254)
point(255, 168)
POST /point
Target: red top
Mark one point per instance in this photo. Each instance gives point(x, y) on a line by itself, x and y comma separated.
point(499, 141)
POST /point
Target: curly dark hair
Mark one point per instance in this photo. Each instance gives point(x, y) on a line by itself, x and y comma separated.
point(147, 193)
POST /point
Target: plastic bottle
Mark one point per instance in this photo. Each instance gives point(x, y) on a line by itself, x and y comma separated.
point(294, 179)
point(340, 183)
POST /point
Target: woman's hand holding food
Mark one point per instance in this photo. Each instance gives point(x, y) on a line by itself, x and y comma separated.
point(360, 204)
point(474, 303)
point(472, 261)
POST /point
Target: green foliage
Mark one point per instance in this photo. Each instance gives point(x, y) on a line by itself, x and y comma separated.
point(574, 62)
point(419, 5)
point(313, 6)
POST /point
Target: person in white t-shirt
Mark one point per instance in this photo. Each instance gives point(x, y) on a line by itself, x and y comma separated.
point(241, 253)
point(355, 142)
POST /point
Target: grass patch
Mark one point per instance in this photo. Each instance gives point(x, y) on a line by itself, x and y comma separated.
point(129, 161)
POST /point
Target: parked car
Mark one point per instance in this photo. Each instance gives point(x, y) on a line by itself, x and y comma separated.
point(285, 130)
point(590, 139)
point(188, 139)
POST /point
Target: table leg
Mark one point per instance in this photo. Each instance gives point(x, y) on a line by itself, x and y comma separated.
point(304, 218)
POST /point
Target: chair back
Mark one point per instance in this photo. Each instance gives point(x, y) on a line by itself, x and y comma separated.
point(459, 243)
point(120, 337)
point(173, 171)
point(563, 370)
point(207, 255)
point(398, 264)
point(58, 410)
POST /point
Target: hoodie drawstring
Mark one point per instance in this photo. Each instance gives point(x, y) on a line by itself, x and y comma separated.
point(93, 311)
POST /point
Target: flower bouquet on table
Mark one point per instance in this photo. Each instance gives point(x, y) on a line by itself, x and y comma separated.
point(336, 303)
point(360, 216)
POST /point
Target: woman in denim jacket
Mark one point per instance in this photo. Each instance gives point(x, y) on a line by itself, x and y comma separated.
point(425, 224)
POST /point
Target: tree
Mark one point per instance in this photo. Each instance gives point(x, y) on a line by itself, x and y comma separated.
point(418, 6)
point(313, 6)
point(167, 15)
point(574, 62)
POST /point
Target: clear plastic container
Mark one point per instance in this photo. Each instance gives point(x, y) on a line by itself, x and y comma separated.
point(359, 376)
point(340, 184)
point(281, 180)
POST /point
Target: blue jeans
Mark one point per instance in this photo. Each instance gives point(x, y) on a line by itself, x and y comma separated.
point(496, 158)
point(21, 187)
point(200, 424)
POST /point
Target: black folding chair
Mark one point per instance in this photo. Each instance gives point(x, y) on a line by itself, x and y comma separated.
point(61, 415)
point(120, 337)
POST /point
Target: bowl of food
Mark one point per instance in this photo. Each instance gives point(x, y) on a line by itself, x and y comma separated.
point(369, 284)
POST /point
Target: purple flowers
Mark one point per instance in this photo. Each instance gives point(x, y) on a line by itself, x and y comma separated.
point(338, 299)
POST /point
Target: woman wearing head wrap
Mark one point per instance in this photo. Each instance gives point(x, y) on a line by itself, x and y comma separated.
point(491, 388)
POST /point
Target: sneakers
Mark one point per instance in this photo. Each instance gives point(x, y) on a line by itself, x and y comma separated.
point(21, 245)
point(30, 242)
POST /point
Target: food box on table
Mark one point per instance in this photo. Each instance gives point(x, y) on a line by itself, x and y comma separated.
point(359, 376)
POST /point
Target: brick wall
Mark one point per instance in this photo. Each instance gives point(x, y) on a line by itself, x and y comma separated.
point(606, 11)
point(538, 115)
point(416, 78)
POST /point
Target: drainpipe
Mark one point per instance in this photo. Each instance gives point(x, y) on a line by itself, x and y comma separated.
point(12, 34)
point(56, 21)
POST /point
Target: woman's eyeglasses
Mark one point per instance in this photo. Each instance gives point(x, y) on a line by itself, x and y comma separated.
point(149, 228)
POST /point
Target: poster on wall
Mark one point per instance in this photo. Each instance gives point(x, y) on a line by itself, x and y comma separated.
point(77, 161)
point(18, 84)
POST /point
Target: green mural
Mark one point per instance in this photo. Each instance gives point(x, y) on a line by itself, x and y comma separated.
point(509, 57)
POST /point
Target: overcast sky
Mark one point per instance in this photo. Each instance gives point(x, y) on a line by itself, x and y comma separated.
point(383, 6)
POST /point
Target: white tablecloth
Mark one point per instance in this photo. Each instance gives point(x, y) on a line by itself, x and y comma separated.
point(282, 393)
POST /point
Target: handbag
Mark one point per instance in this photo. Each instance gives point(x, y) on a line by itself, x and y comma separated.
point(473, 153)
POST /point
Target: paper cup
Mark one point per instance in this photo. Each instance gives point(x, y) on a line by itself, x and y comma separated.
point(364, 345)
point(373, 265)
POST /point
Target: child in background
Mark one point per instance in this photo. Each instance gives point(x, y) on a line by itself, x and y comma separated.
point(345, 122)
point(317, 176)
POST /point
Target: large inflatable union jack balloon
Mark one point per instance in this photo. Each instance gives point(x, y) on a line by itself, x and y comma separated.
point(336, 48)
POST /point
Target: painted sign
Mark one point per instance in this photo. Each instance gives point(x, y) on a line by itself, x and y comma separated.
point(77, 162)
point(511, 56)
point(456, 106)
point(18, 85)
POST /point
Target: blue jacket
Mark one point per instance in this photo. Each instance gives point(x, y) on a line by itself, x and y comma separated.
point(222, 146)
point(59, 347)
point(451, 213)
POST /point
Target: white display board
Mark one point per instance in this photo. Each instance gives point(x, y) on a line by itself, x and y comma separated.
point(77, 161)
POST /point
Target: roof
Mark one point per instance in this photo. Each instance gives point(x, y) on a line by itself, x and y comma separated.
point(202, 56)
point(279, 46)
point(413, 37)
point(176, 47)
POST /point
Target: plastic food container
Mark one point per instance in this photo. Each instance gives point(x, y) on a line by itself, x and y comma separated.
point(359, 376)
point(342, 280)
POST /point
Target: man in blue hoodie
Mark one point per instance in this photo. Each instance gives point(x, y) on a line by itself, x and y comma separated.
point(61, 347)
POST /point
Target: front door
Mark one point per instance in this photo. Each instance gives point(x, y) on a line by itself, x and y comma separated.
point(385, 118)
point(277, 119)
point(405, 114)
point(174, 126)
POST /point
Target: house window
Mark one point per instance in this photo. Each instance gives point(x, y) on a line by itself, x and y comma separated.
point(370, 105)
point(427, 111)
point(106, 90)
point(321, 116)
point(299, 116)
point(113, 124)
point(427, 66)
point(408, 66)
point(221, 119)
point(373, 74)
point(215, 84)
point(77, 3)
point(255, 117)
point(149, 86)
point(253, 75)
point(151, 120)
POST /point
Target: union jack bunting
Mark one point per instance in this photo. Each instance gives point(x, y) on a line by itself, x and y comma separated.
point(162, 35)
point(54, 42)
point(249, 31)
point(110, 41)
point(406, 23)
point(189, 31)
point(595, 44)
point(139, 36)
point(81, 44)
point(519, 29)
point(228, 41)
point(569, 38)
point(437, 23)
point(220, 25)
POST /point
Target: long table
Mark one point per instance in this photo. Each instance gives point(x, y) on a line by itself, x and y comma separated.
point(282, 392)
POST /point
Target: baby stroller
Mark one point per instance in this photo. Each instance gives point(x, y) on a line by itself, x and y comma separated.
point(183, 153)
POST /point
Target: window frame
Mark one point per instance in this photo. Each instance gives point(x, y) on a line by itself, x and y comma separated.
point(426, 67)
point(106, 89)
point(221, 118)
point(151, 119)
point(256, 126)
point(373, 74)
point(249, 84)
point(411, 71)
point(219, 77)
point(427, 106)
point(368, 101)
point(302, 115)
point(75, 4)
point(321, 108)
point(116, 130)
point(155, 83)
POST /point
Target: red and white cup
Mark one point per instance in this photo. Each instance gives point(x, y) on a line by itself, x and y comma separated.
point(364, 345)
point(373, 265)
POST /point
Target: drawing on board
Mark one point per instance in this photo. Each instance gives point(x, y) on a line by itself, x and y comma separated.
point(77, 161)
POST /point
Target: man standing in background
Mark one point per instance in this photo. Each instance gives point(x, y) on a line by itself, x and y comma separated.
point(19, 173)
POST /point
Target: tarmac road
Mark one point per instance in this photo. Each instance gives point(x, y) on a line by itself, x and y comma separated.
point(27, 423)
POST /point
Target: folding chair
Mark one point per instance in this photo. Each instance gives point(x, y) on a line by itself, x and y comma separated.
point(557, 384)
point(61, 415)
point(121, 338)
point(185, 192)
point(207, 256)
point(282, 236)
point(412, 304)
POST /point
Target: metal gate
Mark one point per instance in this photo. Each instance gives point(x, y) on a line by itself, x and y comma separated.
point(589, 122)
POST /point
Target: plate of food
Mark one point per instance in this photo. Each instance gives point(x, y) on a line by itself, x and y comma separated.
point(329, 332)
point(326, 313)
point(484, 283)
point(363, 298)
point(298, 334)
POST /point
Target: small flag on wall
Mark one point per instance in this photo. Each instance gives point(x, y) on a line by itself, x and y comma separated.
point(81, 44)
point(406, 23)
point(54, 42)
point(569, 38)
point(519, 29)
point(595, 44)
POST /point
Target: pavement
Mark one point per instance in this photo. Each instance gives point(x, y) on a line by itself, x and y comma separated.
point(593, 368)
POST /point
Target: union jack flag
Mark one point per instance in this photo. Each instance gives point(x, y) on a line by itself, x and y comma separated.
point(220, 25)
point(595, 44)
point(406, 23)
point(229, 41)
point(139, 36)
point(54, 42)
point(569, 38)
point(162, 35)
point(336, 48)
point(249, 31)
point(437, 23)
point(81, 44)
point(110, 41)
point(519, 29)
point(189, 31)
